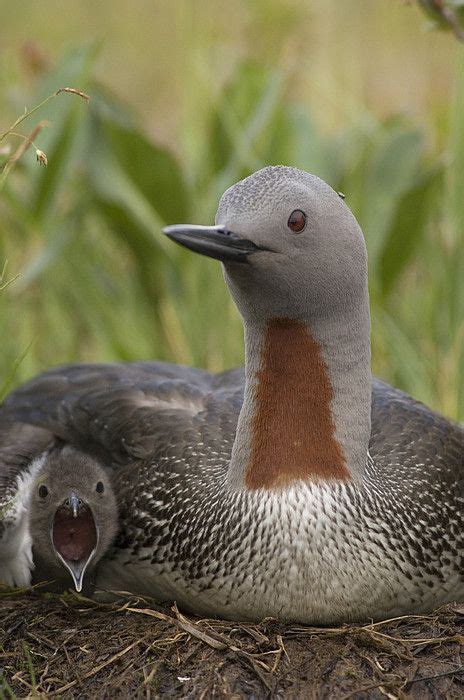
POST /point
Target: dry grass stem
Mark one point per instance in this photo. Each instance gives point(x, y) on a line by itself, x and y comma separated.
point(76, 647)
point(74, 91)
point(29, 140)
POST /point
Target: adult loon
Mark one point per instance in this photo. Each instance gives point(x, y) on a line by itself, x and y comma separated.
point(302, 489)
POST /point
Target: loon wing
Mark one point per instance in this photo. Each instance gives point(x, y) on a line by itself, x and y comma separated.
point(128, 411)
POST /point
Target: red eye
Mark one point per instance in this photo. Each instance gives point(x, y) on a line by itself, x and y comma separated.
point(297, 221)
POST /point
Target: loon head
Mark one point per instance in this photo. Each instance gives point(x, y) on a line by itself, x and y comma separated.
point(289, 244)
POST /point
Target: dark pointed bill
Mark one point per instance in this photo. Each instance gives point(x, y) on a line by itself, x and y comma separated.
point(214, 241)
point(74, 504)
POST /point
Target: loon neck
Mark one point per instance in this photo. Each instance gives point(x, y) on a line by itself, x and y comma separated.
point(307, 404)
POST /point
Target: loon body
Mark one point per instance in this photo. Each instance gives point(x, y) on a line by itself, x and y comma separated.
point(300, 488)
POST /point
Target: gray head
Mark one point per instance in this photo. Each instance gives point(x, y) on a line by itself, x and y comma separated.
point(303, 249)
point(72, 513)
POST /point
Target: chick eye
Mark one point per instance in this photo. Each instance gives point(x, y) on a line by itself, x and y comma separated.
point(99, 487)
point(43, 491)
point(296, 221)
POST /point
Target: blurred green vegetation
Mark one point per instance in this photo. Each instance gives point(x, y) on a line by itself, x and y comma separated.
point(98, 281)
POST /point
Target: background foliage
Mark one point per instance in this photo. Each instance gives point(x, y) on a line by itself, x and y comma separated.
point(225, 91)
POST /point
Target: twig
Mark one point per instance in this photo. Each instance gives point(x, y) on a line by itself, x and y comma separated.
point(29, 112)
point(22, 148)
point(98, 668)
point(29, 140)
point(181, 622)
point(447, 14)
point(456, 671)
point(4, 285)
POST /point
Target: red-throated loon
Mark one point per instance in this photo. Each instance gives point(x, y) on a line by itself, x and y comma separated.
point(302, 489)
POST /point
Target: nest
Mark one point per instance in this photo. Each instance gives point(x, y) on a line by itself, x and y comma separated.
point(73, 647)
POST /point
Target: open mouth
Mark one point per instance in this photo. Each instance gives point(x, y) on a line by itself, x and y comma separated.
point(74, 535)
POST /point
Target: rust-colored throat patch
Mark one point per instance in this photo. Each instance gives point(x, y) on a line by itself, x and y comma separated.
point(293, 431)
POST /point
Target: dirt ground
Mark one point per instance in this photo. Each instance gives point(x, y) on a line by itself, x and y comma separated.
point(72, 647)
